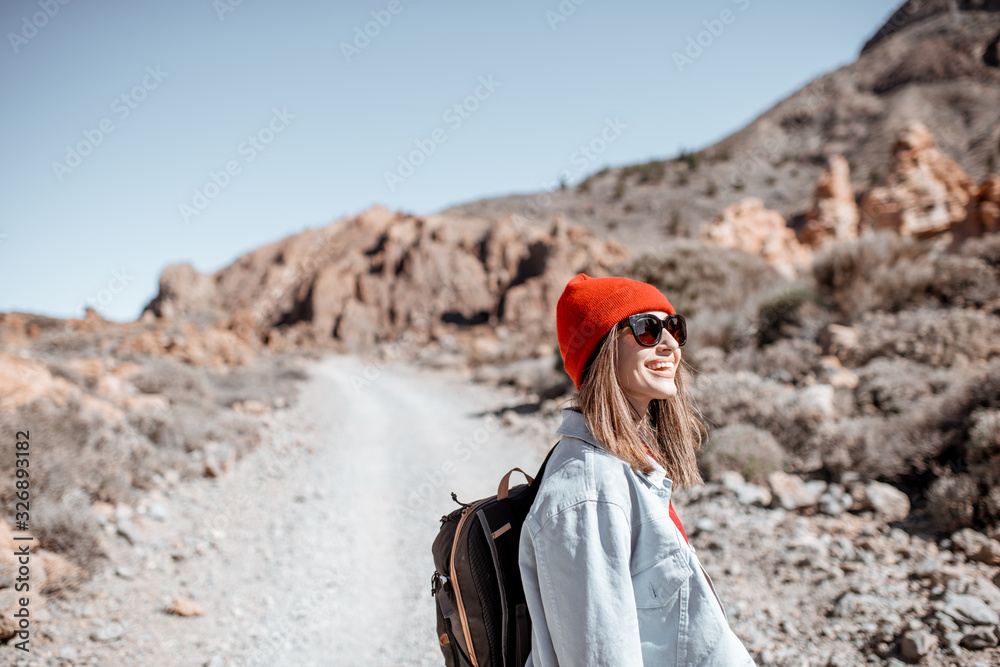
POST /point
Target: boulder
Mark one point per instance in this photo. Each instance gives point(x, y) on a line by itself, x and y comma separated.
point(790, 492)
point(915, 644)
point(886, 501)
point(969, 609)
point(977, 546)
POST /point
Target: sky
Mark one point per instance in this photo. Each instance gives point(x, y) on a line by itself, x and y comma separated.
point(142, 134)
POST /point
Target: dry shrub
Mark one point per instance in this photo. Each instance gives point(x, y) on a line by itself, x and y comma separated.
point(938, 337)
point(959, 415)
point(985, 247)
point(263, 380)
point(697, 276)
point(965, 281)
point(750, 451)
point(984, 436)
point(744, 398)
point(788, 360)
point(935, 431)
point(951, 502)
point(883, 271)
point(891, 448)
point(762, 318)
point(71, 530)
point(895, 386)
point(178, 381)
point(875, 271)
point(854, 444)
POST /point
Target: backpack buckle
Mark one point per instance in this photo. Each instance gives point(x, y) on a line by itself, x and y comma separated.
point(438, 581)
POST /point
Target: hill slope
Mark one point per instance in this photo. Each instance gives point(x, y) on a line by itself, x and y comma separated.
point(928, 63)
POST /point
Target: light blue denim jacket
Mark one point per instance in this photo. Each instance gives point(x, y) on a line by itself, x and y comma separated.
point(609, 579)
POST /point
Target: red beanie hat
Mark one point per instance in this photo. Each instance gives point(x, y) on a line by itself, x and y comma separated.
point(590, 307)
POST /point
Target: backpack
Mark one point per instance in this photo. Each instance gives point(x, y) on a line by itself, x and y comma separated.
point(482, 617)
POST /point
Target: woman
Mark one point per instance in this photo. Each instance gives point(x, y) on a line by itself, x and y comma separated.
point(609, 577)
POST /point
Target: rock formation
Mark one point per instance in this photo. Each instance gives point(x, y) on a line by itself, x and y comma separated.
point(834, 214)
point(927, 192)
point(376, 276)
point(750, 227)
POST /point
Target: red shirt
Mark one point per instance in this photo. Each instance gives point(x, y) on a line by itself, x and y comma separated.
point(673, 514)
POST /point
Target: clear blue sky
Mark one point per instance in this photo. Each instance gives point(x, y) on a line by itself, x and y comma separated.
point(187, 88)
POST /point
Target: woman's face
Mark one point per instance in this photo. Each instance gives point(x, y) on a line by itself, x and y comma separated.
point(647, 373)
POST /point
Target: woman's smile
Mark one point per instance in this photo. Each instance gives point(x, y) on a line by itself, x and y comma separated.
point(661, 368)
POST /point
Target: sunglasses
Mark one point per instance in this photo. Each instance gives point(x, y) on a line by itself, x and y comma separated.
point(647, 329)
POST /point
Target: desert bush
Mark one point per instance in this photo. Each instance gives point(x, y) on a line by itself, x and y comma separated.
point(778, 312)
point(875, 271)
point(789, 360)
point(726, 398)
point(938, 337)
point(71, 530)
point(701, 358)
point(178, 381)
point(951, 502)
point(985, 247)
point(850, 445)
point(896, 386)
point(750, 451)
point(964, 281)
point(990, 505)
point(263, 380)
point(984, 436)
point(948, 440)
point(698, 276)
point(958, 415)
point(883, 271)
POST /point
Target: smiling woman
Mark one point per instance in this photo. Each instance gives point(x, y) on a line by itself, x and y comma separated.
point(609, 577)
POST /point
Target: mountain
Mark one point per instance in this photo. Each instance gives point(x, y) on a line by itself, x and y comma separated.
point(900, 139)
point(933, 61)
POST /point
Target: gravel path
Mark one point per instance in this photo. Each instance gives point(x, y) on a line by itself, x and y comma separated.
point(314, 550)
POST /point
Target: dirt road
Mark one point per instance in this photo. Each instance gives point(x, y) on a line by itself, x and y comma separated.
point(314, 550)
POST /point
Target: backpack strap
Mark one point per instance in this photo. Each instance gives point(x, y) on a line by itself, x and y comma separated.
point(504, 489)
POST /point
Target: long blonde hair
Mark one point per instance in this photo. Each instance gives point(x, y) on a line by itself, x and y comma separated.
point(670, 427)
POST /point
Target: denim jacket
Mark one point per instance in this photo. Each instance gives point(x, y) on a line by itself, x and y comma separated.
point(609, 579)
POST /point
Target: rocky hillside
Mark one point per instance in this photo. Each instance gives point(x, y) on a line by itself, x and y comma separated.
point(384, 276)
point(927, 63)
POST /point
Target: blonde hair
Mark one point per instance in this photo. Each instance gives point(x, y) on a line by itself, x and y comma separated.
point(670, 427)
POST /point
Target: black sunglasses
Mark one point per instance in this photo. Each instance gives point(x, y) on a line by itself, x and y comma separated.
point(647, 328)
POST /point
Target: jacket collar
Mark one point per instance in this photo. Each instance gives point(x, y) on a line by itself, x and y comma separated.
point(575, 424)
